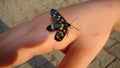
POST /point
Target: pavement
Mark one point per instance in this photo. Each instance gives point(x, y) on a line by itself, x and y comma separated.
point(14, 12)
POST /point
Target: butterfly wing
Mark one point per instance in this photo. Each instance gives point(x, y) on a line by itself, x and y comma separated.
point(62, 29)
point(57, 16)
point(60, 34)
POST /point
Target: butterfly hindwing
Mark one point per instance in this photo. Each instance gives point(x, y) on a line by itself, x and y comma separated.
point(60, 34)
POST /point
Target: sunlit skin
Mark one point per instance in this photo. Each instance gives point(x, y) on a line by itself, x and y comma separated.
point(96, 20)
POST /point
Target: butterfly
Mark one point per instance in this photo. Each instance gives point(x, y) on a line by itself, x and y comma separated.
point(60, 25)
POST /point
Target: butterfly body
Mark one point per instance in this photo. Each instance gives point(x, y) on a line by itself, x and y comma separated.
point(53, 27)
point(60, 25)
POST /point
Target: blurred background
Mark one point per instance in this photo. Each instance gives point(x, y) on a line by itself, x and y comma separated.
point(14, 12)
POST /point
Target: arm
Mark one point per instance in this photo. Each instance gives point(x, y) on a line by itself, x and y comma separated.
point(96, 20)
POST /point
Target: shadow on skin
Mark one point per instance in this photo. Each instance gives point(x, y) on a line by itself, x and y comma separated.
point(10, 54)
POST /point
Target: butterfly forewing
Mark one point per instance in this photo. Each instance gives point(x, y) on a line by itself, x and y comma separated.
point(57, 17)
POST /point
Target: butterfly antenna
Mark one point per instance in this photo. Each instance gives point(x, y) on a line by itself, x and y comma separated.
point(74, 21)
point(75, 28)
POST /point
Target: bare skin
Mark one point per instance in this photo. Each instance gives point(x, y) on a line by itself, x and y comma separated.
point(96, 20)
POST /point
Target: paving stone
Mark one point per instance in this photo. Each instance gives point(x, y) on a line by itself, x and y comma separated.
point(51, 58)
point(32, 1)
point(48, 56)
point(25, 65)
point(116, 36)
point(18, 17)
point(8, 20)
point(11, 4)
point(9, 24)
point(58, 56)
point(105, 58)
point(55, 57)
point(73, 2)
point(32, 62)
point(3, 11)
point(64, 4)
point(47, 65)
point(116, 50)
point(1, 4)
point(20, 3)
point(59, 2)
point(29, 14)
point(53, 5)
point(115, 64)
point(37, 61)
point(14, 11)
point(45, 2)
point(84, 0)
point(3, 26)
point(110, 43)
point(22, 21)
point(38, 6)
point(26, 8)
point(95, 64)
point(6, 17)
point(54, 62)
point(40, 62)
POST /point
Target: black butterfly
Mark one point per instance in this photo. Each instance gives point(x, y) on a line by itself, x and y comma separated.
point(61, 25)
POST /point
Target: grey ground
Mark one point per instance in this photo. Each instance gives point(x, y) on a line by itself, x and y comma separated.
point(14, 12)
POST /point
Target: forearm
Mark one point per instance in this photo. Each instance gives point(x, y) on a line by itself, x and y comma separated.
point(101, 18)
point(22, 42)
point(10, 45)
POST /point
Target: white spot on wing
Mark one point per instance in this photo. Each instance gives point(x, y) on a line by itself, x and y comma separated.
point(54, 15)
point(60, 39)
point(58, 19)
point(62, 35)
point(59, 16)
point(62, 20)
point(64, 30)
point(52, 27)
point(55, 12)
point(57, 37)
point(61, 28)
